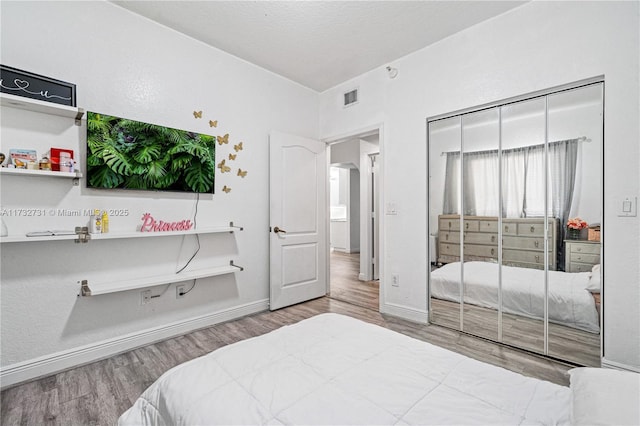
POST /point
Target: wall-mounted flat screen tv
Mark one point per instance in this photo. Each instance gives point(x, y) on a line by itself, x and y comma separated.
point(128, 154)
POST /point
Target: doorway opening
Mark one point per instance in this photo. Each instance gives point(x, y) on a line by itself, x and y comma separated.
point(353, 220)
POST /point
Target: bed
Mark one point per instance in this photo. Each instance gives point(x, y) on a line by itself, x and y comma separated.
point(570, 302)
point(336, 370)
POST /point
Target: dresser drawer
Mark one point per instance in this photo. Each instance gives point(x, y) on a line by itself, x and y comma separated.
point(525, 256)
point(481, 238)
point(535, 243)
point(449, 224)
point(586, 248)
point(531, 229)
point(489, 226)
point(585, 258)
point(579, 267)
point(481, 251)
point(450, 249)
point(509, 228)
point(471, 225)
point(449, 236)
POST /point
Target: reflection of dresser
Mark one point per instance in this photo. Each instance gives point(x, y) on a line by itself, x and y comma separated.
point(581, 255)
point(522, 240)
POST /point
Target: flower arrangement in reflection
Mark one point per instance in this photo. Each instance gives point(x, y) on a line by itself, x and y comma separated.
point(577, 224)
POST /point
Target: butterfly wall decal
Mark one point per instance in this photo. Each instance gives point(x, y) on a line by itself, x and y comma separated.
point(223, 167)
point(213, 123)
point(232, 156)
point(238, 147)
point(197, 114)
point(241, 173)
point(223, 139)
point(226, 189)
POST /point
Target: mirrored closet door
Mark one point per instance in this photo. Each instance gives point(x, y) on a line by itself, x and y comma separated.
point(515, 205)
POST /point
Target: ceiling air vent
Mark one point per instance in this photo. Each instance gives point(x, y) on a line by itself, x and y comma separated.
point(351, 98)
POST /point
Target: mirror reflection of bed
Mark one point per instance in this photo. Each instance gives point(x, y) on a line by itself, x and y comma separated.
point(505, 183)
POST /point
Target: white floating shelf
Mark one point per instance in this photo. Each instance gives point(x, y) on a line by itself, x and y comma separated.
point(44, 107)
point(39, 173)
point(117, 235)
point(91, 289)
point(24, 238)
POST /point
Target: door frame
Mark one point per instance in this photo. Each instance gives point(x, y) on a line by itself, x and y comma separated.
point(360, 133)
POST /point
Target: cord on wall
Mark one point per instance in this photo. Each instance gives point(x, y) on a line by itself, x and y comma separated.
point(185, 292)
point(195, 217)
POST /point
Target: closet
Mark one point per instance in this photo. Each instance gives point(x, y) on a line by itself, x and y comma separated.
point(505, 182)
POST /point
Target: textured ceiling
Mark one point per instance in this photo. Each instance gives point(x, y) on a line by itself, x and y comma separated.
point(319, 44)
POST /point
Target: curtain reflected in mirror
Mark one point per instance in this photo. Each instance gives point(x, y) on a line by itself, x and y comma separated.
point(523, 224)
point(505, 185)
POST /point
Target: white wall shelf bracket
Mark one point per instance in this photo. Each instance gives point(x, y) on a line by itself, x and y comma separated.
point(79, 116)
point(83, 234)
point(235, 266)
point(239, 228)
point(84, 288)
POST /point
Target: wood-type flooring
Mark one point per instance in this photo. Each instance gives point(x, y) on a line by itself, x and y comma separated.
point(344, 284)
point(566, 343)
point(98, 393)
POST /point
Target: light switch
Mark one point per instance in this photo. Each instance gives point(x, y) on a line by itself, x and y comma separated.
point(628, 207)
point(392, 209)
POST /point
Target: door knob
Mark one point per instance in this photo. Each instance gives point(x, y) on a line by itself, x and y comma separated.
point(278, 230)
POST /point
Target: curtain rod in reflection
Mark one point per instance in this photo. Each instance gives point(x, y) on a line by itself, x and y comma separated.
point(580, 139)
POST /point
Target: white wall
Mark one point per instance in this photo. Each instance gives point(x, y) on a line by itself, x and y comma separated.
point(339, 235)
point(346, 153)
point(128, 66)
point(536, 46)
point(345, 235)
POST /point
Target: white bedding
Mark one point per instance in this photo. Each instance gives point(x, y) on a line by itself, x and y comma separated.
point(335, 370)
point(570, 303)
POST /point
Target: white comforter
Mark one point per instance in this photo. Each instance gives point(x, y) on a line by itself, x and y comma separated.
point(336, 370)
point(570, 303)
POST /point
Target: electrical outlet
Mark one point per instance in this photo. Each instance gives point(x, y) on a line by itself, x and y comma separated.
point(395, 280)
point(145, 297)
point(180, 289)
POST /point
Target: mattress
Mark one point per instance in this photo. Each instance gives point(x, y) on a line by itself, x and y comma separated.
point(336, 370)
point(570, 304)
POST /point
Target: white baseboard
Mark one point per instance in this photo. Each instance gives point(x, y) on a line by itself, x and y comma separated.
point(405, 312)
point(362, 277)
point(619, 366)
point(64, 360)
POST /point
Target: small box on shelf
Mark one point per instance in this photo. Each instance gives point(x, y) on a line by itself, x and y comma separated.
point(60, 159)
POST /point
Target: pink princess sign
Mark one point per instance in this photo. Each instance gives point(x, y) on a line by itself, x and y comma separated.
point(149, 224)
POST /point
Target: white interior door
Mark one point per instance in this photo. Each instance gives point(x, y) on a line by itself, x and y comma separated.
point(298, 219)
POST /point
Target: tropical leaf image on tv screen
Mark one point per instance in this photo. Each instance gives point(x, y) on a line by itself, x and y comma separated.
point(130, 154)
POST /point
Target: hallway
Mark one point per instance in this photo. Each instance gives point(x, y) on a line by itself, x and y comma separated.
point(344, 283)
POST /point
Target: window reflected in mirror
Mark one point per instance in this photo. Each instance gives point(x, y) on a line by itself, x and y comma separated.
point(515, 196)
